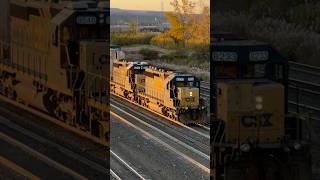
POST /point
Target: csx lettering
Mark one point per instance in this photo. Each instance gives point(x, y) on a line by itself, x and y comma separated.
point(265, 120)
point(253, 121)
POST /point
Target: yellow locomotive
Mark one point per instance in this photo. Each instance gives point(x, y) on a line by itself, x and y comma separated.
point(253, 137)
point(53, 61)
point(174, 95)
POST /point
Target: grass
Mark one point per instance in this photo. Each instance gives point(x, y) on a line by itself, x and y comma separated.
point(126, 39)
point(192, 58)
point(148, 54)
point(293, 41)
point(197, 60)
point(166, 42)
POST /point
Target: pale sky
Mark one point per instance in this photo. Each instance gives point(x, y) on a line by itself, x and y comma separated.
point(147, 4)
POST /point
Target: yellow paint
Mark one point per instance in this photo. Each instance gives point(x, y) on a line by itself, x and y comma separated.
point(238, 100)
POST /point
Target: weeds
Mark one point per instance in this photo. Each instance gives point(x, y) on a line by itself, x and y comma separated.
point(148, 54)
point(293, 41)
point(126, 39)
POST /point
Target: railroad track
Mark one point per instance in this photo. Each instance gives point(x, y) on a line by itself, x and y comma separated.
point(48, 155)
point(126, 172)
point(203, 126)
point(187, 153)
point(304, 89)
point(184, 149)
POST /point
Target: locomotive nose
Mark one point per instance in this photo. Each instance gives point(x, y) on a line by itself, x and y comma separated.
point(189, 97)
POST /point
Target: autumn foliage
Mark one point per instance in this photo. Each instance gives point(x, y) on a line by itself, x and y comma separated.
point(187, 29)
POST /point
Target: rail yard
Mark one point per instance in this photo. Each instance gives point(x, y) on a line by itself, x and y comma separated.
point(186, 146)
point(187, 150)
point(67, 113)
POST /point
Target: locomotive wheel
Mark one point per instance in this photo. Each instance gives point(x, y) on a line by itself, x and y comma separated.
point(1, 87)
point(125, 94)
point(6, 91)
point(14, 95)
point(49, 102)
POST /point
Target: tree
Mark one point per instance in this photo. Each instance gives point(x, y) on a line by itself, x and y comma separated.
point(181, 21)
point(133, 27)
point(202, 26)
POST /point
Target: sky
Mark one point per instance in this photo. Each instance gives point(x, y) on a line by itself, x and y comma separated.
point(154, 5)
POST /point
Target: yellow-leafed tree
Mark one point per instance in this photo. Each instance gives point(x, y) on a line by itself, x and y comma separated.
point(181, 21)
point(202, 27)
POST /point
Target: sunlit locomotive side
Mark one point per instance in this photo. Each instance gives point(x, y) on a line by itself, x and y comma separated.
point(56, 64)
point(253, 135)
point(174, 95)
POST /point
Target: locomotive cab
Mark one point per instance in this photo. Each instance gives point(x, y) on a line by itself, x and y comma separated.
point(185, 89)
point(185, 93)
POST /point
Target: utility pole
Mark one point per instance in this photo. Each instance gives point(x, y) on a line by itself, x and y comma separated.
point(162, 11)
point(162, 6)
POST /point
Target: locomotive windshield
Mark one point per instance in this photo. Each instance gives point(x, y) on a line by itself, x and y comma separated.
point(85, 25)
point(185, 81)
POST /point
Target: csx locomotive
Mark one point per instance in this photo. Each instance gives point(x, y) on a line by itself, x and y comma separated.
point(174, 95)
point(253, 137)
point(54, 61)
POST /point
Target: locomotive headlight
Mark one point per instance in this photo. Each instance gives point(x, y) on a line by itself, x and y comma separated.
point(297, 146)
point(259, 101)
point(103, 59)
point(191, 94)
point(286, 149)
point(245, 147)
point(259, 106)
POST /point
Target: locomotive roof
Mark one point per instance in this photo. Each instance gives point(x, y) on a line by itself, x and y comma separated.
point(238, 43)
point(221, 36)
point(134, 64)
point(183, 74)
point(115, 47)
point(61, 4)
point(62, 16)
